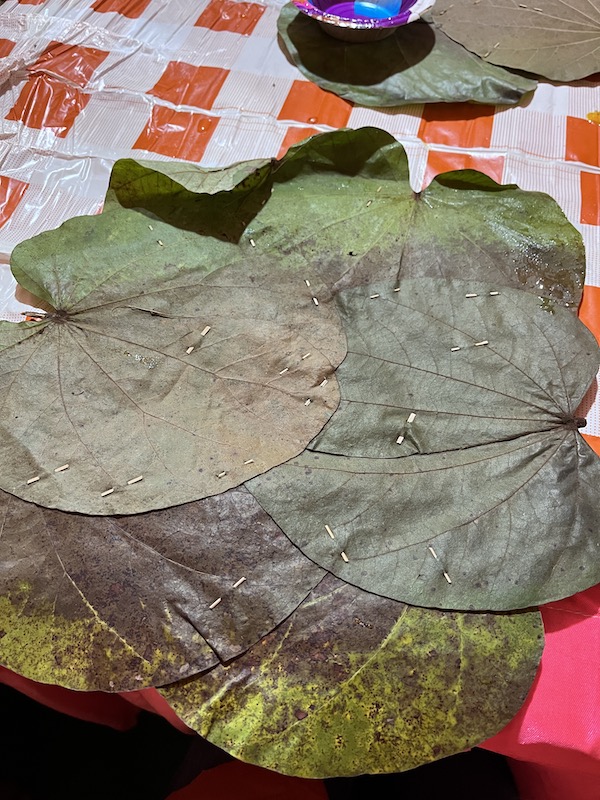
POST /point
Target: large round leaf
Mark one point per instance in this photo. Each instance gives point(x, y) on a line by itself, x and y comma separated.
point(157, 364)
point(555, 39)
point(453, 475)
point(116, 604)
point(352, 683)
point(417, 64)
point(342, 203)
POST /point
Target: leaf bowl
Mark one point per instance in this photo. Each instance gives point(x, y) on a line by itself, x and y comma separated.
point(362, 21)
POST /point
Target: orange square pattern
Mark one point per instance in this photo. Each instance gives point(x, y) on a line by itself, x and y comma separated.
point(590, 198)
point(185, 84)
point(593, 441)
point(583, 141)
point(128, 8)
point(73, 62)
point(457, 124)
point(308, 103)
point(11, 194)
point(6, 47)
point(438, 162)
point(227, 15)
point(292, 137)
point(180, 134)
point(31, 2)
point(589, 310)
point(47, 103)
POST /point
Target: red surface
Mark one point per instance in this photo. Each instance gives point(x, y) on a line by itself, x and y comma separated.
point(104, 709)
point(46, 103)
point(128, 8)
point(6, 47)
point(151, 700)
point(11, 194)
point(583, 141)
point(310, 104)
point(439, 161)
point(185, 84)
point(590, 198)
point(76, 63)
point(457, 124)
point(229, 15)
point(293, 136)
point(557, 731)
point(243, 781)
point(180, 134)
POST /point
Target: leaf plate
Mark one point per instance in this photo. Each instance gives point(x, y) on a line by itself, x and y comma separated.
point(352, 683)
point(157, 363)
point(119, 603)
point(417, 64)
point(453, 475)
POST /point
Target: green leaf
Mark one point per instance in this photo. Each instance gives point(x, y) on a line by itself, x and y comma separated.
point(117, 604)
point(342, 202)
point(110, 384)
point(417, 64)
point(453, 475)
point(176, 192)
point(353, 684)
point(556, 40)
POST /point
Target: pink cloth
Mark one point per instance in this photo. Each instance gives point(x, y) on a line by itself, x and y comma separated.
point(555, 738)
point(105, 709)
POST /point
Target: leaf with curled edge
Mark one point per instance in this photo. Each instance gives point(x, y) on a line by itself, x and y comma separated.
point(453, 474)
point(176, 192)
point(416, 64)
point(342, 203)
point(353, 683)
point(119, 603)
point(553, 39)
point(156, 362)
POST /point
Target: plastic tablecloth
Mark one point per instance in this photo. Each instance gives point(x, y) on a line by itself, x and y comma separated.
point(85, 82)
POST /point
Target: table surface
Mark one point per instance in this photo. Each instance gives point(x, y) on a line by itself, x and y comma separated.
point(85, 83)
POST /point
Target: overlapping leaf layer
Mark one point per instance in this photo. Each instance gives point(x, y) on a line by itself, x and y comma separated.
point(191, 350)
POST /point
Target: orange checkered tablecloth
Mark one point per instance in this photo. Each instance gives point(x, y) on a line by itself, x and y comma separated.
point(85, 82)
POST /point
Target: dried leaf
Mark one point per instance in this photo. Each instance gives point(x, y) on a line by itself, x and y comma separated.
point(353, 683)
point(550, 38)
point(417, 64)
point(117, 604)
point(342, 201)
point(175, 192)
point(158, 363)
point(453, 475)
